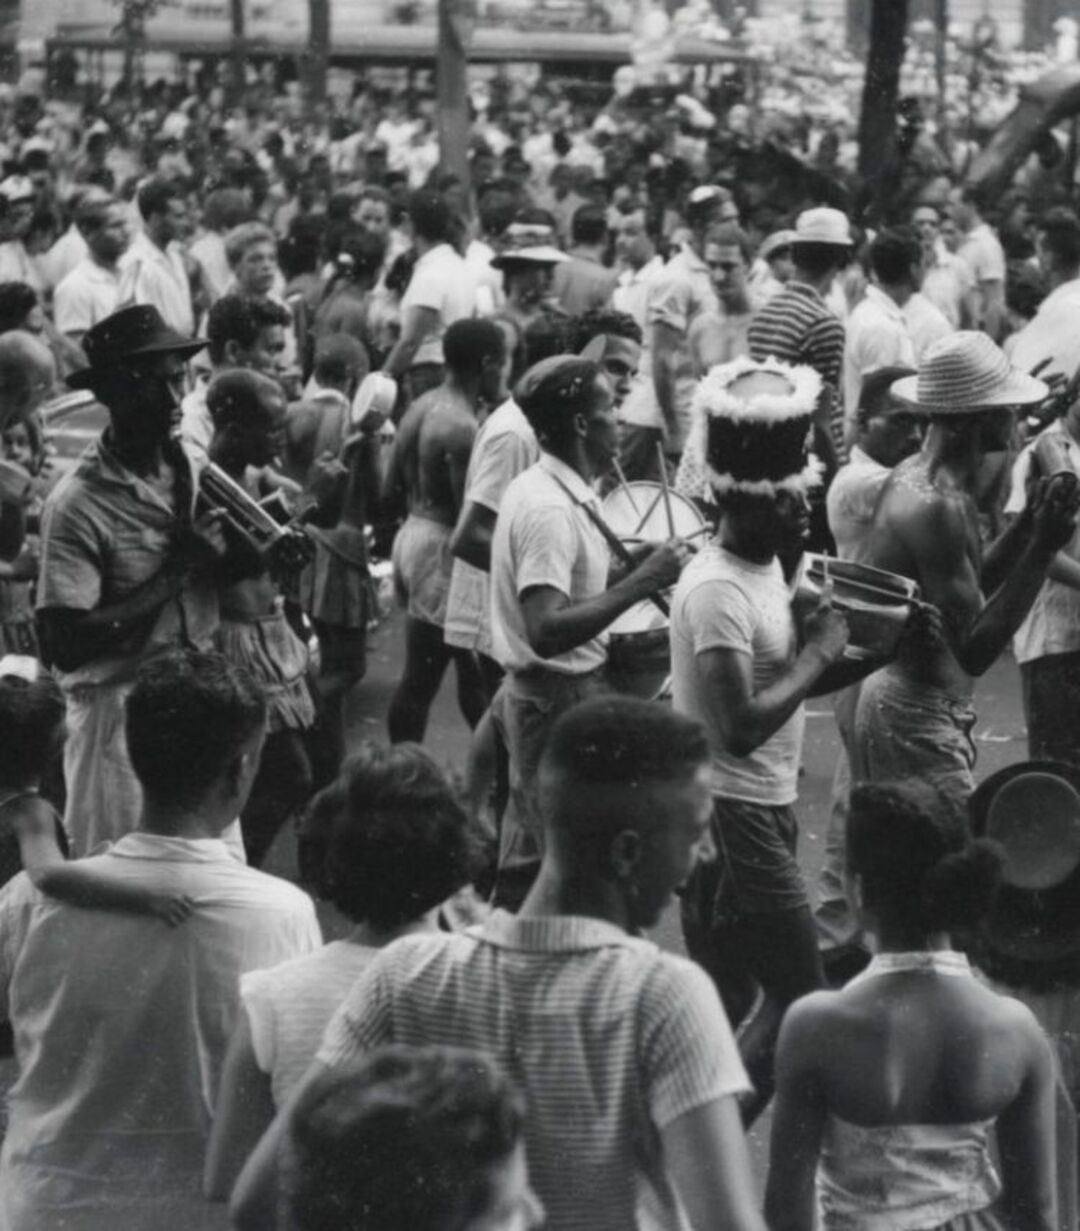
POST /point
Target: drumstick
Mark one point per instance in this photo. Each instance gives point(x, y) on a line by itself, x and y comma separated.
point(621, 553)
point(649, 512)
point(664, 490)
point(625, 486)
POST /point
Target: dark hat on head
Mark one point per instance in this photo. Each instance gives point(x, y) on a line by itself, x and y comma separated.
point(133, 331)
point(562, 382)
point(1032, 810)
point(757, 419)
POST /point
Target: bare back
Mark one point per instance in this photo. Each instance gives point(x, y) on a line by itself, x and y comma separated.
point(918, 1048)
point(432, 454)
point(926, 527)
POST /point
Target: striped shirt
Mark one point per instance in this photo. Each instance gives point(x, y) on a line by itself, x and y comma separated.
point(796, 326)
point(609, 1038)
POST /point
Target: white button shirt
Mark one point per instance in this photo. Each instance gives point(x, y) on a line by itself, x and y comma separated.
point(544, 538)
point(121, 1026)
point(877, 337)
point(442, 282)
point(152, 276)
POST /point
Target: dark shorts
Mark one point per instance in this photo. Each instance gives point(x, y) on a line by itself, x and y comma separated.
point(755, 870)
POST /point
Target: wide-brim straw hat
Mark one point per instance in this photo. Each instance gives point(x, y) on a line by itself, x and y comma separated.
point(965, 373)
point(533, 254)
point(1032, 811)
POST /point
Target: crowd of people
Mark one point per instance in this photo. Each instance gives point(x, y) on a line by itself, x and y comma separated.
point(651, 462)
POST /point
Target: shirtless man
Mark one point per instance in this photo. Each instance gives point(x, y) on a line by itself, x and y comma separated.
point(248, 413)
point(914, 718)
point(427, 476)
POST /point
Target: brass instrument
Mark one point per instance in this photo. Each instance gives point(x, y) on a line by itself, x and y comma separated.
point(286, 545)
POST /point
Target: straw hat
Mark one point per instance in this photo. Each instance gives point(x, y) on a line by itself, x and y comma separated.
point(775, 242)
point(964, 373)
point(528, 244)
point(823, 225)
point(1032, 810)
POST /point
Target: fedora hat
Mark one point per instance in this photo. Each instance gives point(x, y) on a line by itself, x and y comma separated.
point(964, 373)
point(776, 242)
point(132, 331)
point(1032, 811)
point(823, 225)
point(526, 243)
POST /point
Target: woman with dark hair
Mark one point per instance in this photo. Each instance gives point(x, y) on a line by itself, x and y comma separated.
point(345, 307)
point(889, 1090)
point(424, 1138)
point(397, 844)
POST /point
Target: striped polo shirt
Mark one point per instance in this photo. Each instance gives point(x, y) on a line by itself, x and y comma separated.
point(797, 326)
point(609, 1038)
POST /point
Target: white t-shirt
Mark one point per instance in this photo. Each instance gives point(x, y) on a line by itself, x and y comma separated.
point(544, 538)
point(289, 1007)
point(442, 282)
point(725, 602)
point(851, 502)
point(983, 254)
point(1052, 626)
point(505, 447)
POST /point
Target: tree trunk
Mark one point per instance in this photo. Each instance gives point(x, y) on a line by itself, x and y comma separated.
point(456, 21)
point(318, 54)
point(877, 122)
point(237, 72)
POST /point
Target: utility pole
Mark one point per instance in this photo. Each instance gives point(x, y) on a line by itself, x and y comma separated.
point(457, 19)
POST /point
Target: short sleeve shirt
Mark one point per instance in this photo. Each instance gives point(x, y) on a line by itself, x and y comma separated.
point(724, 602)
point(505, 447)
point(105, 532)
point(86, 296)
point(609, 1038)
point(1052, 626)
point(440, 281)
point(543, 537)
point(983, 254)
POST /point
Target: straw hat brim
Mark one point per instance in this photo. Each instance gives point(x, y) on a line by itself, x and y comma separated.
point(1018, 389)
point(537, 254)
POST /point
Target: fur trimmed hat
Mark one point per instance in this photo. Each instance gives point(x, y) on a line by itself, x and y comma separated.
point(758, 420)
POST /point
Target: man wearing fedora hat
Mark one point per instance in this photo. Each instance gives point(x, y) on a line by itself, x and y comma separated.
point(914, 717)
point(527, 266)
point(127, 567)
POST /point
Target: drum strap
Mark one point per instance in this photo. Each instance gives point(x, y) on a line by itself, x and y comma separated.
point(616, 544)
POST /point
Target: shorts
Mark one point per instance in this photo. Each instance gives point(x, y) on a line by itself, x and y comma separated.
point(755, 870)
point(270, 650)
point(905, 729)
point(335, 588)
point(423, 564)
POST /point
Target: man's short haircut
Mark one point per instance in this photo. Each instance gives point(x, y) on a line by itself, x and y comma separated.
point(225, 208)
point(467, 343)
point(93, 212)
point(546, 335)
point(246, 236)
point(625, 742)
point(431, 217)
point(1060, 232)
point(373, 192)
point(731, 235)
point(876, 397)
point(589, 225)
point(235, 318)
point(496, 208)
point(895, 256)
point(186, 719)
point(362, 253)
point(154, 196)
point(396, 838)
point(339, 358)
point(17, 301)
point(817, 260)
point(234, 398)
point(401, 1139)
point(31, 717)
point(601, 322)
